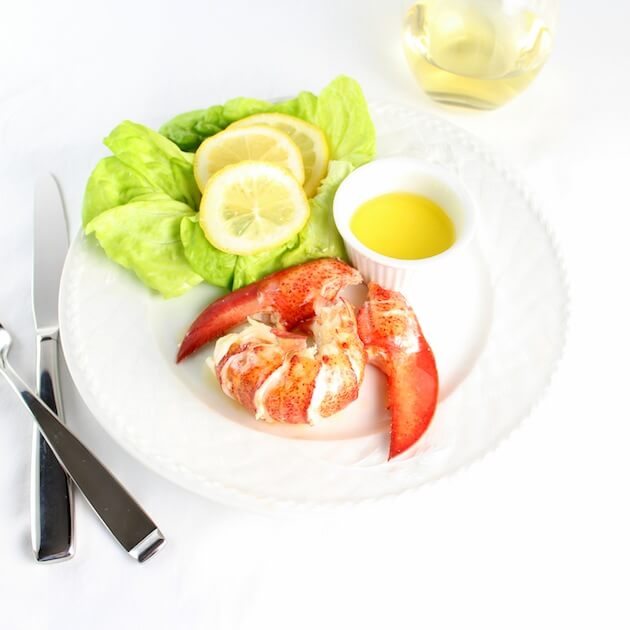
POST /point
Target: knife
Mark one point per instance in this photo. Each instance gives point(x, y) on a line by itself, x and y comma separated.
point(52, 505)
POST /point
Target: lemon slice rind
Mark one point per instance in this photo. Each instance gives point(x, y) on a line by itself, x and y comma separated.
point(257, 142)
point(309, 139)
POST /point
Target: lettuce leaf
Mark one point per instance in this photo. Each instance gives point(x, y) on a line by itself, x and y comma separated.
point(143, 162)
point(189, 130)
point(157, 159)
point(248, 269)
point(140, 202)
point(134, 204)
point(319, 238)
point(213, 265)
point(144, 236)
point(112, 184)
point(343, 115)
point(340, 112)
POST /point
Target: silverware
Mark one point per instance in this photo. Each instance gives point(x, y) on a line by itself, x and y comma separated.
point(52, 504)
point(124, 518)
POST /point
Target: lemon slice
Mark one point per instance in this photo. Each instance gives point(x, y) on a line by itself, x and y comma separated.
point(310, 140)
point(252, 206)
point(260, 142)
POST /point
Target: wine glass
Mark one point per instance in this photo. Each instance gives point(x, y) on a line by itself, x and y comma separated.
point(478, 53)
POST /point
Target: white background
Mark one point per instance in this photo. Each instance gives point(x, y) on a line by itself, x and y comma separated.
point(534, 535)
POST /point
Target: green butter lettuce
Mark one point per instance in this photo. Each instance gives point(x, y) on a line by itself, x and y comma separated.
point(157, 159)
point(112, 184)
point(342, 114)
point(134, 203)
point(144, 162)
point(189, 130)
point(213, 265)
point(319, 238)
point(140, 203)
point(144, 236)
point(248, 269)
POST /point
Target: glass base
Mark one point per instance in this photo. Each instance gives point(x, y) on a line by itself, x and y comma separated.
point(461, 100)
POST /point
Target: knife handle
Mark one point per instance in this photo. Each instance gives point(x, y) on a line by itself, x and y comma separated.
point(52, 504)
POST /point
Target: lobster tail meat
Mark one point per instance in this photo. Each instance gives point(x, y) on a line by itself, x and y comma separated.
point(307, 362)
point(279, 377)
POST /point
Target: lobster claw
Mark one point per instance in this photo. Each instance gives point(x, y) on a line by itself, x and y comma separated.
point(287, 295)
point(394, 343)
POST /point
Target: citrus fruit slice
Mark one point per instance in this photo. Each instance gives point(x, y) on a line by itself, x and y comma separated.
point(261, 143)
point(310, 140)
point(252, 206)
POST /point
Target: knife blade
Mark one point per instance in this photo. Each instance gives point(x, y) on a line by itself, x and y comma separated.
point(52, 505)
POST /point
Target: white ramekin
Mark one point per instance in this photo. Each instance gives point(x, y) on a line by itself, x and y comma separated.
point(403, 174)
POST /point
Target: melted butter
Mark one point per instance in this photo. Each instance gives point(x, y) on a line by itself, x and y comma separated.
point(403, 225)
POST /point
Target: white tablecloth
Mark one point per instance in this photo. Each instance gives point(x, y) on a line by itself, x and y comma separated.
point(534, 535)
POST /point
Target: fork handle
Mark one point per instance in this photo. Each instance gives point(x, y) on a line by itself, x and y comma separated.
point(52, 504)
point(118, 511)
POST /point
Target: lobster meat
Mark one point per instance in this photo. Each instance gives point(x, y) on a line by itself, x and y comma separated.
point(309, 363)
point(279, 377)
point(288, 296)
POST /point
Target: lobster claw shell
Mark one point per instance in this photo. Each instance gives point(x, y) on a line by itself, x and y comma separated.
point(287, 295)
point(395, 344)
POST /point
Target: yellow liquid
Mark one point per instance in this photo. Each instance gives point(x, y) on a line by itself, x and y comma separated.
point(403, 225)
point(472, 54)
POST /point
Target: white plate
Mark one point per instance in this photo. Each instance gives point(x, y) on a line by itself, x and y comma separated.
point(497, 330)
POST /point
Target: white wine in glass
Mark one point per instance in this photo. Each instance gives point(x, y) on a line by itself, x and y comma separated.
point(477, 53)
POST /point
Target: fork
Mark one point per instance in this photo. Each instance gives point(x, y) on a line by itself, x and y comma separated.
point(118, 511)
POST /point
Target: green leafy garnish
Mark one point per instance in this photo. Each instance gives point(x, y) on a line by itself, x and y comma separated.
point(213, 265)
point(343, 115)
point(112, 184)
point(141, 202)
point(340, 112)
point(144, 236)
point(189, 130)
